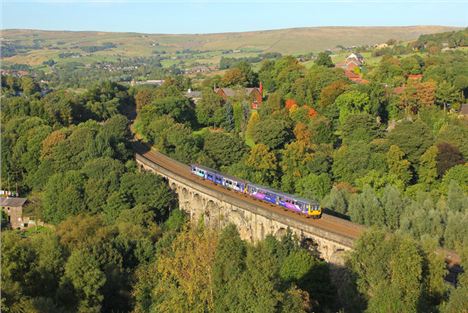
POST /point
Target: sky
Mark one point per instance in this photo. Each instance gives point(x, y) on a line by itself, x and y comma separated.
point(210, 16)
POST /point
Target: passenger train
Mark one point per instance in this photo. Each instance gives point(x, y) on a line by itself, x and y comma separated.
point(289, 202)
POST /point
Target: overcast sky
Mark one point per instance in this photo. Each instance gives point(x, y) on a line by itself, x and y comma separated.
point(224, 15)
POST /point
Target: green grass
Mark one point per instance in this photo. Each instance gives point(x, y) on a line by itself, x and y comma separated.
point(286, 41)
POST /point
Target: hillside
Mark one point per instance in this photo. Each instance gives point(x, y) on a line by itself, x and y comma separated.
point(36, 46)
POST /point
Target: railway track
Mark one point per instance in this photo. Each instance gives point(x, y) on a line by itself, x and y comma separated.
point(327, 223)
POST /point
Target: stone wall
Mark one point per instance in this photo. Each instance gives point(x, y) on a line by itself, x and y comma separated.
point(253, 222)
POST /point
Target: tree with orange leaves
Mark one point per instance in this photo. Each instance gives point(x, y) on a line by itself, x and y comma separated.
point(312, 112)
point(418, 95)
point(302, 133)
point(290, 103)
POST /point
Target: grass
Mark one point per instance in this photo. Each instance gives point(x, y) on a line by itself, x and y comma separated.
point(286, 41)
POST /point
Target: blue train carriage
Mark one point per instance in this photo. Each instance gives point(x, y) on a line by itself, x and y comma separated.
point(290, 202)
point(218, 178)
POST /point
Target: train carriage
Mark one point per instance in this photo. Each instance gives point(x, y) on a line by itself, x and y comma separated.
point(289, 202)
point(219, 178)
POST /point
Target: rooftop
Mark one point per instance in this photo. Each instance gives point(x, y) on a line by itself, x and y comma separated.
point(12, 202)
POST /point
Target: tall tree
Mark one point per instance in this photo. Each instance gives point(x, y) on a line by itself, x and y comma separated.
point(398, 165)
point(323, 59)
point(447, 95)
point(427, 172)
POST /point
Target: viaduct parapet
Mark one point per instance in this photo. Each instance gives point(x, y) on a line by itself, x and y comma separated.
point(218, 207)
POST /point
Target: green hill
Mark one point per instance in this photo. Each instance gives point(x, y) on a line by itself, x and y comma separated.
point(36, 46)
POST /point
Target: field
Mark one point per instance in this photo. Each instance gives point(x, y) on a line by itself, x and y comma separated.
point(39, 46)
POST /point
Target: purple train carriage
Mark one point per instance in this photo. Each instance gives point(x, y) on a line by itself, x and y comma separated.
point(290, 202)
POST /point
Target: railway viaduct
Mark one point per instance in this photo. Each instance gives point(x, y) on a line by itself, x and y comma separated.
point(254, 219)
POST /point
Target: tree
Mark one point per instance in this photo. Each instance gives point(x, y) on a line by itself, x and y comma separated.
point(398, 165)
point(179, 108)
point(458, 173)
point(394, 205)
point(274, 103)
point(83, 272)
point(274, 132)
point(314, 187)
point(413, 138)
point(418, 95)
point(366, 208)
point(208, 107)
point(389, 286)
point(359, 127)
point(329, 93)
point(149, 191)
point(234, 77)
point(29, 86)
point(303, 133)
point(294, 159)
point(455, 132)
point(389, 71)
point(337, 200)
point(354, 161)
point(427, 172)
point(64, 196)
point(184, 274)
point(352, 102)
point(144, 97)
point(447, 157)
point(322, 131)
point(253, 120)
point(323, 59)
point(259, 282)
point(262, 165)
point(412, 65)
point(61, 107)
point(224, 148)
point(446, 95)
point(228, 267)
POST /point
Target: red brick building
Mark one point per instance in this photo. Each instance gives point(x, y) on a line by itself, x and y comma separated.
point(253, 94)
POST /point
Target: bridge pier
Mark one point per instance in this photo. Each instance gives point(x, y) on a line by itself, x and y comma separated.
point(254, 223)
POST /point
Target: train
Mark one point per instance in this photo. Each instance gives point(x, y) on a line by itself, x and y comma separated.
point(308, 208)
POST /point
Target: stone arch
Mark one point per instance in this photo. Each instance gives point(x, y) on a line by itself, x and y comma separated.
point(209, 211)
point(197, 201)
point(311, 245)
point(338, 256)
point(281, 232)
point(184, 193)
point(261, 231)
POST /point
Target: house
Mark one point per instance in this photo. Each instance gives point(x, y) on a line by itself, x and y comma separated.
point(356, 58)
point(399, 90)
point(353, 61)
point(415, 77)
point(155, 82)
point(255, 95)
point(463, 111)
point(381, 45)
point(198, 70)
point(194, 95)
point(352, 76)
point(13, 207)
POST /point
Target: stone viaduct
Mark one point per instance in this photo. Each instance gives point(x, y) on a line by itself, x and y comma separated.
point(253, 220)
